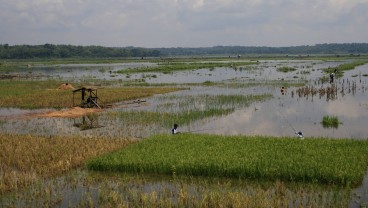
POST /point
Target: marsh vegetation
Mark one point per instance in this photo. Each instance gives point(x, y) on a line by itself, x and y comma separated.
point(245, 110)
point(330, 121)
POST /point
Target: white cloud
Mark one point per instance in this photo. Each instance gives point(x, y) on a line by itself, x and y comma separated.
point(171, 23)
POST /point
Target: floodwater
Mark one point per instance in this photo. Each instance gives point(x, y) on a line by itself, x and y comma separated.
point(282, 115)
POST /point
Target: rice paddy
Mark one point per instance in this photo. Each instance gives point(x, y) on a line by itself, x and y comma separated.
point(246, 155)
point(130, 190)
point(26, 159)
point(340, 162)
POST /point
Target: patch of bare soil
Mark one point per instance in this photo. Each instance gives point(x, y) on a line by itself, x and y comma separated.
point(70, 113)
point(66, 86)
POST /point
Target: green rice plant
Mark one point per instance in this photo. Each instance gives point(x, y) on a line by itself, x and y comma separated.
point(323, 161)
point(330, 121)
point(286, 69)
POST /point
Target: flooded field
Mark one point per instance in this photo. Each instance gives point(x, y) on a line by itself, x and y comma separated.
point(288, 110)
point(214, 101)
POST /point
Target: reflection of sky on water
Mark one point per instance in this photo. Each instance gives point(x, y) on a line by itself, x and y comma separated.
point(280, 116)
point(264, 70)
point(272, 119)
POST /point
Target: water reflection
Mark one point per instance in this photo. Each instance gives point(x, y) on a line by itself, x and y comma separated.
point(292, 108)
point(89, 121)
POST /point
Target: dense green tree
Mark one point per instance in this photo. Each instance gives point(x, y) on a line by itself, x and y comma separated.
point(69, 51)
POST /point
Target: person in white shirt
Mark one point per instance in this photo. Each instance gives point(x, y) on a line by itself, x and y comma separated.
point(174, 130)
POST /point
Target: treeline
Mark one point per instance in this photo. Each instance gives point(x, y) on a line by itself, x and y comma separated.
point(70, 51)
point(343, 48)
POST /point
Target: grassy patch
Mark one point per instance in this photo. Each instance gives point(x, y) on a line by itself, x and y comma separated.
point(330, 121)
point(325, 161)
point(339, 70)
point(45, 94)
point(168, 67)
point(286, 69)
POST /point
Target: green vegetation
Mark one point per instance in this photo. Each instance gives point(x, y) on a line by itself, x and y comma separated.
point(286, 69)
point(67, 51)
point(350, 49)
point(330, 121)
point(167, 67)
point(230, 171)
point(183, 110)
point(22, 94)
point(345, 67)
point(324, 161)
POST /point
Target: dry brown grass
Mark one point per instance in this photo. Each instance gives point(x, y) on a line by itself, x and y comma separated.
point(24, 159)
point(69, 113)
point(38, 94)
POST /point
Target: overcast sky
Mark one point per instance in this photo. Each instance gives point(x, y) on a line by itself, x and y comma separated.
point(183, 23)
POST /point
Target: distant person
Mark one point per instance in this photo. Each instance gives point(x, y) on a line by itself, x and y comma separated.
point(83, 93)
point(283, 90)
point(332, 76)
point(299, 134)
point(174, 130)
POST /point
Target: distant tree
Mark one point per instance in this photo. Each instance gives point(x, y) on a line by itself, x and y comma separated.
point(68, 51)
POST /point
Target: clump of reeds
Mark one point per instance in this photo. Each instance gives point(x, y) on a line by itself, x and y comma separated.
point(286, 69)
point(329, 91)
point(330, 121)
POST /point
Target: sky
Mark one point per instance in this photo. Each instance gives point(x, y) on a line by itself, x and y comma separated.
point(183, 23)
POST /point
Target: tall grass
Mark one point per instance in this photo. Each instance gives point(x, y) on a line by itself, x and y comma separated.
point(324, 161)
point(25, 159)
